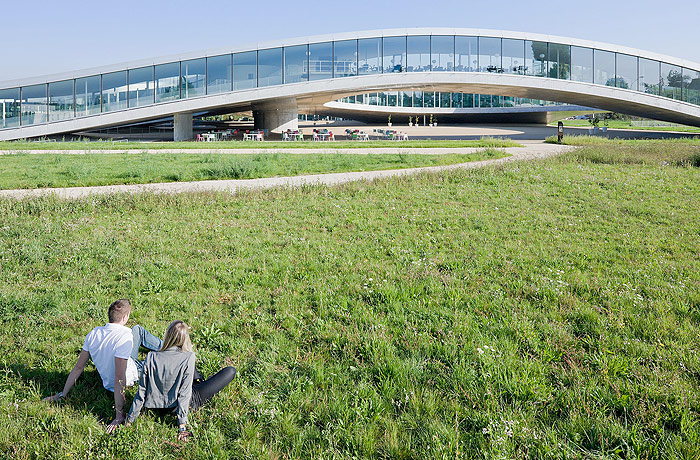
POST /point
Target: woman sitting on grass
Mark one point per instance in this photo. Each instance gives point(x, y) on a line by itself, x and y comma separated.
point(167, 379)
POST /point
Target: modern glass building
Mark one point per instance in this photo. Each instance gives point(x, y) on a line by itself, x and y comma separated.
point(412, 58)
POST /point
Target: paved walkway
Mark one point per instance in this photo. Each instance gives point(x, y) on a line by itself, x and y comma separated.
point(529, 152)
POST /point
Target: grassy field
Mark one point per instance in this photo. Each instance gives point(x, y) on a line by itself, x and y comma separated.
point(626, 124)
point(108, 145)
point(534, 310)
point(56, 170)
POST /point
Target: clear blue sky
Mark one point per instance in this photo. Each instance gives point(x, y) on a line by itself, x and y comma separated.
point(43, 37)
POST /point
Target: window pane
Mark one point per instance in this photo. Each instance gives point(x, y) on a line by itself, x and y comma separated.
point(345, 58)
point(457, 100)
point(114, 91)
point(320, 61)
point(466, 54)
point(370, 57)
point(513, 56)
point(219, 70)
point(442, 53)
point(392, 99)
point(626, 72)
point(245, 70)
point(394, 54)
point(445, 100)
point(269, 67)
point(407, 99)
point(490, 55)
point(428, 99)
point(141, 86)
point(296, 63)
point(418, 57)
point(604, 63)
point(61, 100)
point(33, 105)
point(168, 82)
point(559, 61)
point(468, 101)
point(484, 100)
point(649, 76)
point(87, 96)
point(194, 78)
point(582, 64)
point(536, 58)
point(417, 98)
point(9, 98)
point(382, 99)
point(671, 81)
point(691, 86)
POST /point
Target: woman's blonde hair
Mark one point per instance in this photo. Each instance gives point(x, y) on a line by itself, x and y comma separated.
point(177, 335)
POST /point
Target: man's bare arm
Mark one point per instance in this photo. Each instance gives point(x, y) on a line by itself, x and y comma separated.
point(119, 386)
point(72, 377)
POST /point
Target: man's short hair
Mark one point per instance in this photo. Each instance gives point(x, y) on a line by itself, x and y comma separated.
point(118, 310)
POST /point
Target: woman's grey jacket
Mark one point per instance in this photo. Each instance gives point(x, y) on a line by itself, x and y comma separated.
point(166, 382)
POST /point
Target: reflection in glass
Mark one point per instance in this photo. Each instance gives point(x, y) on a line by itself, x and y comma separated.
point(61, 101)
point(484, 100)
point(370, 56)
point(418, 53)
point(141, 86)
point(604, 63)
point(468, 101)
point(88, 95)
point(9, 100)
point(168, 82)
point(392, 99)
point(33, 100)
point(671, 78)
point(442, 53)
point(269, 67)
point(394, 54)
point(559, 61)
point(296, 63)
point(407, 98)
point(457, 100)
point(345, 58)
point(382, 99)
point(691, 86)
point(245, 70)
point(445, 100)
point(372, 99)
point(626, 70)
point(219, 74)
point(418, 99)
point(194, 78)
point(536, 58)
point(582, 64)
point(466, 57)
point(428, 99)
point(320, 61)
point(114, 91)
point(490, 55)
point(513, 56)
point(649, 76)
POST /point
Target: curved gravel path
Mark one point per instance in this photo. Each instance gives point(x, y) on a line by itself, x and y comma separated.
point(528, 152)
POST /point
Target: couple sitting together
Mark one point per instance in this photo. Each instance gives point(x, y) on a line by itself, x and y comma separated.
point(168, 379)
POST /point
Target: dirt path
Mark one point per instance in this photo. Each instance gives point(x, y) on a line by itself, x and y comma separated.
point(529, 152)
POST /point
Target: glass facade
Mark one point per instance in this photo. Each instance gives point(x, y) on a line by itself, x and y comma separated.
point(245, 70)
point(582, 64)
point(61, 100)
point(194, 78)
point(345, 58)
point(114, 91)
point(443, 100)
point(320, 61)
point(9, 99)
point(442, 52)
point(167, 82)
point(141, 87)
point(88, 96)
point(296, 63)
point(219, 74)
point(394, 54)
point(418, 53)
point(34, 105)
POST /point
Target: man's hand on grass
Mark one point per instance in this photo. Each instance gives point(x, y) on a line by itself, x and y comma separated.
point(114, 424)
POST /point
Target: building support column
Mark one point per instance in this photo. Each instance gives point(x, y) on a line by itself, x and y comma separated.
point(182, 127)
point(277, 115)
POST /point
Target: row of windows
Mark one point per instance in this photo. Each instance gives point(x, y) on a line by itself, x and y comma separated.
point(138, 87)
point(431, 99)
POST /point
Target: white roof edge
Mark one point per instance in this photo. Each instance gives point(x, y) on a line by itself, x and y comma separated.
point(350, 36)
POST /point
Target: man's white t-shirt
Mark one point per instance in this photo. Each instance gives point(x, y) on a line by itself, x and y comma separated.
point(104, 343)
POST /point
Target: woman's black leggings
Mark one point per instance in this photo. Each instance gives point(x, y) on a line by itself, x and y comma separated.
point(203, 391)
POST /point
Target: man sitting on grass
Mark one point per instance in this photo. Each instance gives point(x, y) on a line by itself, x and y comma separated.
point(114, 348)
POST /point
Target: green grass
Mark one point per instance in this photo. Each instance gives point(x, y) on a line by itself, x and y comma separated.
point(108, 145)
point(57, 170)
point(626, 124)
point(535, 310)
